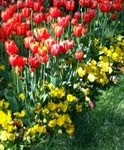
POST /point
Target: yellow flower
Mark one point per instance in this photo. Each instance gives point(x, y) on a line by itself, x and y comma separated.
point(79, 108)
point(11, 137)
point(2, 67)
point(86, 91)
point(52, 106)
point(50, 86)
point(6, 105)
point(81, 72)
point(37, 108)
point(71, 98)
point(70, 129)
point(63, 106)
point(91, 77)
point(42, 129)
point(60, 93)
point(3, 136)
point(45, 111)
point(1, 103)
point(105, 66)
point(5, 119)
point(2, 147)
point(22, 96)
point(61, 120)
point(38, 128)
point(67, 118)
point(119, 38)
point(52, 123)
point(57, 93)
point(20, 114)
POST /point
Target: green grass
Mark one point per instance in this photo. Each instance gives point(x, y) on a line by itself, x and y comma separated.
point(99, 129)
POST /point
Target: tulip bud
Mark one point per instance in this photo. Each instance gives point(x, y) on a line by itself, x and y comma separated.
point(79, 55)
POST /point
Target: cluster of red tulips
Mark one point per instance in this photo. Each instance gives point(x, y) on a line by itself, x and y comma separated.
point(48, 30)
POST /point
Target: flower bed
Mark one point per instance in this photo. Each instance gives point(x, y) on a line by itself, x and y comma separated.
point(54, 57)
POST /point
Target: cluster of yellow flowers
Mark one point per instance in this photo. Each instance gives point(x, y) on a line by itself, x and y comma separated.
point(99, 71)
point(51, 117)
point(6, 127)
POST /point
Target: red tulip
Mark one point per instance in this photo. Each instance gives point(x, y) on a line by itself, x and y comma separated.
point(63, 21)
point(38, 18)
point(70, 5)
point(11, 47)
point(17, 61)
point(26, 12)
point(17, 17)
point(77, 15)
point(55, 12)
point(5, 15)
point(34, 63)
point(79, 55)
point(29, 3)
point(94, 4)
point(28, 41)
point(22, 29)
point(74, 21)
point(77, 30)
point(58, 31)
point(44, 59)
point(56, 49)
point(117, 6)
point(105, 7)
point(36, 6)
point(88, 16)
point(29, 33)
point(86, 3)
point(20, 4)
point(57, 3)
point(41, 34)
point(34, 46)
point(49, 42)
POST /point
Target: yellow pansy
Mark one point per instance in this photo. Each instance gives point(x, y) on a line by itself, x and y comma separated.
point(20, 114)
point(86, 91)
point(71, 98)
point(70, 129)
point(61, 120)
point(3, 135)
point(6, 105)
point(45, 111)
point(5, 119)
point(2, 147)
point(1, 103)
point(38, 128)
point(22, 96)
point(79, 108)
point(52, 106)
point(57, 93)
point(91, 77)
point(81, 72)
point(63, 106)
point(11, 137)
point(52, 123)
point(2, 67)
